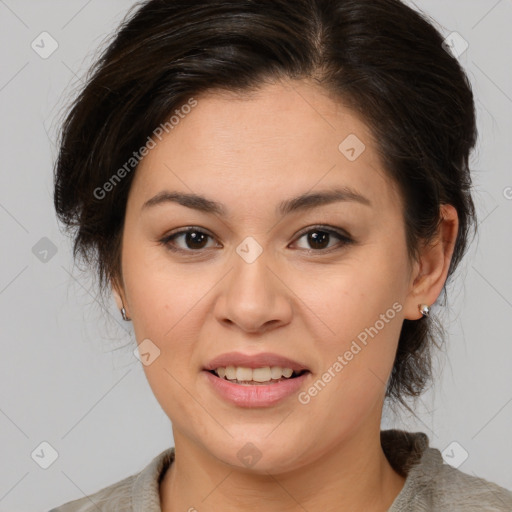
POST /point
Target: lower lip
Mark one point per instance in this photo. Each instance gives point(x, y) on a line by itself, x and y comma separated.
point(256, 395)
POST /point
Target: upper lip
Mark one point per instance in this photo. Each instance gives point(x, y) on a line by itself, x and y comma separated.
point(254, 361)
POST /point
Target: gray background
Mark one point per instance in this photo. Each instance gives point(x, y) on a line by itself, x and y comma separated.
point(69, 377)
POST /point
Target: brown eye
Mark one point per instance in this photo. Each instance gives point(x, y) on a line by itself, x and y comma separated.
point(319, 238)
point(193, 240)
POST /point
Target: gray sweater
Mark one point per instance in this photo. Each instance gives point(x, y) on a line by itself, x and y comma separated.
point(430, 485)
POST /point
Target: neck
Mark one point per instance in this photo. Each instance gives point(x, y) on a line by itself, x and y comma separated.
point(354, 475)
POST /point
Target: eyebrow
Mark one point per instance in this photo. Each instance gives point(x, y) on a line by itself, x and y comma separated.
point(303, 202)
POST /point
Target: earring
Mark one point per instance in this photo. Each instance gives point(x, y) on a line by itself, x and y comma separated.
point(123, 313)
point(424, 309)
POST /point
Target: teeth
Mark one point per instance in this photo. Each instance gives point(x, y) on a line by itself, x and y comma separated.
point(243, 373)
point(276, 372)
point(262, 374)
point(287, 372)
point(265, 374)
point(230, 373)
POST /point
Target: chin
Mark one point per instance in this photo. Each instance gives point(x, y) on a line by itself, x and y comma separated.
point(259, 455)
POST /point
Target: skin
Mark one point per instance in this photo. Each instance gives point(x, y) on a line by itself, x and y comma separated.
point(297, 300)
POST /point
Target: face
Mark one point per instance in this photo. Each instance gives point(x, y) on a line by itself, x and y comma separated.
point(320, 282)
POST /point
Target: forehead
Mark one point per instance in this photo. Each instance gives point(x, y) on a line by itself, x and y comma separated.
point(284, 137)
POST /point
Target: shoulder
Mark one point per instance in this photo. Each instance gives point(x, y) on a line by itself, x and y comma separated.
point(136, 492)
point(451, 489)
point(431, 484)
point(114, 497)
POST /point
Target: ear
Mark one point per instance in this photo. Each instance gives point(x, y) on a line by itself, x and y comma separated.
point(431, 270)
point(119, 296)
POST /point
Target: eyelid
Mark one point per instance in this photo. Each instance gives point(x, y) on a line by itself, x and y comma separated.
point(344, 236)
point(327, 228)
point(166, 239)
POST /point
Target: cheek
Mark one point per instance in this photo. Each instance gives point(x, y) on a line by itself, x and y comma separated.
point(360, 307)
point(164, 299)
point(345, 299)
point(357, 353)
point(168, 314)
point(162, 293)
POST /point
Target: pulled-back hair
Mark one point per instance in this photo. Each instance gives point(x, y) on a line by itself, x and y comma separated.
point(379, 57)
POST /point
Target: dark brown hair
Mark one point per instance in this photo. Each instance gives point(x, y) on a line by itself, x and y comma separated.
point(379, 57)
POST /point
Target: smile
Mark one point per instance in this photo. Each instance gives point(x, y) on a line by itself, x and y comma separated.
point(246, 392)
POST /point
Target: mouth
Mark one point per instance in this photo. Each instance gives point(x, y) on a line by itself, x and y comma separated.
point(263, 376)
point(255, 387)
point(255, 380)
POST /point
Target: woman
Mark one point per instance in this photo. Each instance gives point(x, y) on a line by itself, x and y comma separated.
point(277, 192)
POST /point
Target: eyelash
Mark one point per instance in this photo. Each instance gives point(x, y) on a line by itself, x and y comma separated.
point(345, 240)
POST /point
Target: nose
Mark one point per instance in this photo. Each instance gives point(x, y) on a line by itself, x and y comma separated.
point(254, 297)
